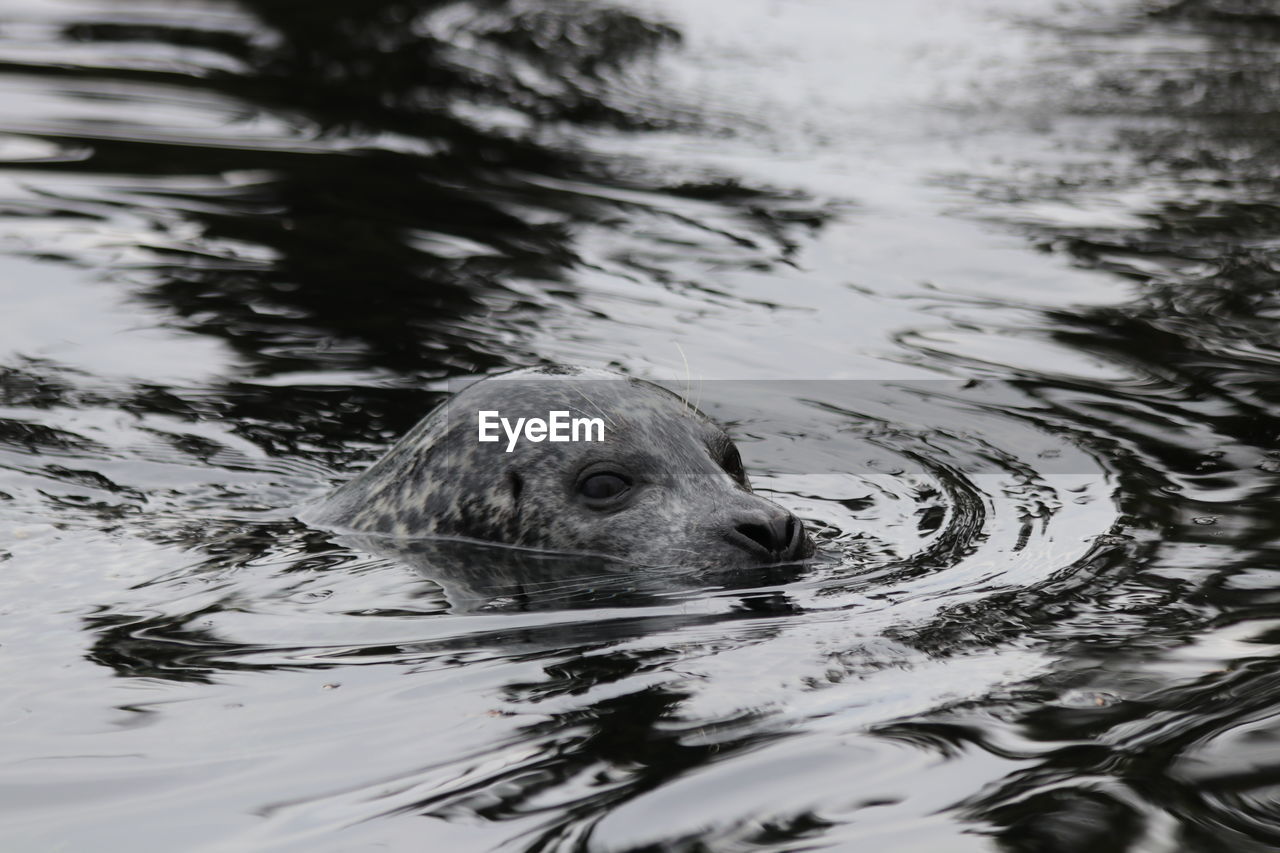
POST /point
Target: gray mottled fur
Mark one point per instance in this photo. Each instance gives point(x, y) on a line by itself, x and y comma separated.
point(439, 480)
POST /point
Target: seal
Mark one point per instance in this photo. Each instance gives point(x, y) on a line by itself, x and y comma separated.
point(662, 486)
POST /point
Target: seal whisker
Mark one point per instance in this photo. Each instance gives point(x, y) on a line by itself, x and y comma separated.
point(593, 405)
point(684, 398)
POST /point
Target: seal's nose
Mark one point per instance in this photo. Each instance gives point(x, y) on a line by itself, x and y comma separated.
point(776, 531)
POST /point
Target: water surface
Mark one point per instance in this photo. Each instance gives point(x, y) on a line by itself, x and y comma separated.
point(985, 290)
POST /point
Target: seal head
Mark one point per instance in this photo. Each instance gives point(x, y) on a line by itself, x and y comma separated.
point(663, 487)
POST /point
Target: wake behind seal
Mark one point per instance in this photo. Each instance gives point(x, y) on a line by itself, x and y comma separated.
point(571, 459)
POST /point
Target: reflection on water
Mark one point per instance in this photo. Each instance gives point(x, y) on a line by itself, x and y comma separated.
point(1167, 758)
point(247, 243)
point(334, 186)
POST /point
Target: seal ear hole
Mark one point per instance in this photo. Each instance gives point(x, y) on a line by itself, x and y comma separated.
point(516, 482)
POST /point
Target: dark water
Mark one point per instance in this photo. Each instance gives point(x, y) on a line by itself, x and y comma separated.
point(1026, 252)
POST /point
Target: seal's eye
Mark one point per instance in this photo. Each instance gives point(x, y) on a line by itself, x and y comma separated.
point(731, 462)
point(603, 486)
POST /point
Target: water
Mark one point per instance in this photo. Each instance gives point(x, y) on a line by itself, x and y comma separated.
point(1021, 254)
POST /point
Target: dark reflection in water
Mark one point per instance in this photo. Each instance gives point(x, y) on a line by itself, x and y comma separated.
point(1187, 759)
point(480, 576)
point(411, 202)
point(347, 226)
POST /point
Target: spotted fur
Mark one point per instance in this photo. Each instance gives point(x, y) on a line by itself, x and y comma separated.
point(689, 492)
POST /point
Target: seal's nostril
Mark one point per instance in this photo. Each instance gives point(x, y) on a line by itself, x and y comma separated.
point(773, 535)
point(757, 533)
